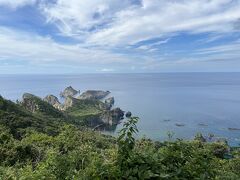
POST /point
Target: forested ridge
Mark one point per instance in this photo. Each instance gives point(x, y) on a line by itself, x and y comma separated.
point(50, 145)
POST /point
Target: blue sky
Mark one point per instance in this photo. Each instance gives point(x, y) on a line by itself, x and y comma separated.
point(119, 36)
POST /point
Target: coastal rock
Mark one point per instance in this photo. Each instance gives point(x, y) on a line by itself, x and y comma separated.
point(128, 114)
point(53, 100)
point(112, 117)
point(199, 137)
point(69, 102)
point(109, 102)
point(234, 129)
point(29, 101)
point(37, 105)
point(202, 124)
point(179, 124)
point(69, 91)
point(101, 105)
point(94, 94)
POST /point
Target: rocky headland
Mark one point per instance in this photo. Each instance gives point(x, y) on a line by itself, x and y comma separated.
point(90, 108)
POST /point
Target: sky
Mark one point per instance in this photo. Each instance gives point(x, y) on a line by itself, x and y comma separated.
point(119, 36)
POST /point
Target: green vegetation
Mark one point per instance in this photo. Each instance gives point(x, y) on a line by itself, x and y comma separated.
point(86, 112)
point(40, 107)
point(19, 120)
point(84, 108)
point(29, 150)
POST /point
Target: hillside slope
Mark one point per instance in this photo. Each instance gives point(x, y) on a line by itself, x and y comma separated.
point(18, 119)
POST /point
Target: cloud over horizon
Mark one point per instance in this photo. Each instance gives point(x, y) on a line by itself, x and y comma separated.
point(151, 36)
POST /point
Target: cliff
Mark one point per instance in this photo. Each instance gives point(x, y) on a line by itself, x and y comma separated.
point(94, 94)
point(69, 91)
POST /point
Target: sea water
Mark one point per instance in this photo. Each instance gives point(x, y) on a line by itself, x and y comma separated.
point(181, 103)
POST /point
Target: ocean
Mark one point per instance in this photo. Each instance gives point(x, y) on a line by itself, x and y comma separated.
point(181, 103)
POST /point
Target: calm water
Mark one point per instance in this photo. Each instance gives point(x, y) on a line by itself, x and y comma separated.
point(212, 99)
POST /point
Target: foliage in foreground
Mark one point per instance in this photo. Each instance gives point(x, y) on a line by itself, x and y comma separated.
point(75, 154)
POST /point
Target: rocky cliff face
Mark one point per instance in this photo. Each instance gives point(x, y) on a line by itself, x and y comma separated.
point(109, 102)
point(94, 94)
point(69, 102)
point(37, 105)
point(53, 100)
point(30, 102)
point(69, 91)
point(112, 117)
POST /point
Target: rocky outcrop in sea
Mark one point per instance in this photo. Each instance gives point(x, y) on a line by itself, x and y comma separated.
point(128, 114)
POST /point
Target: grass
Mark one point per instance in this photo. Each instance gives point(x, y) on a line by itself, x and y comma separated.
point(85, 108)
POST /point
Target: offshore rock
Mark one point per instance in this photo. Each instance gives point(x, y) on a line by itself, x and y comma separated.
point(128, 114)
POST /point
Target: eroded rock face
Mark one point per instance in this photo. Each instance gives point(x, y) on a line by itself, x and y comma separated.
point(94, 94)
point(109, 102)
point(69, 92)
point(53, 100)
point(69, 102)
point(112, 117)
point(29, 101)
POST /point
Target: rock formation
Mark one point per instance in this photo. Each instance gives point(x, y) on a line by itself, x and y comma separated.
point(94, 94)
point(37, 105)
point(88, 107)
point(112, 117)
point(53, 100)
point(128, 114)
point(109, 102)
point(69, 91)
point(69, 102)
point(29, 101)
point(179, 124)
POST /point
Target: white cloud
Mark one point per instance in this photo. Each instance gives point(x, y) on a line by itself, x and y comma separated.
point(151, 47)
point(77, 17)
point(16, 3)
point(120, 23)
point(104, 28)
point(32, 48)
point(232, 48)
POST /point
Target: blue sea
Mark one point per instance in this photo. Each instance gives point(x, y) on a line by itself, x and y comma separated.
point(208, 103)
